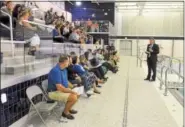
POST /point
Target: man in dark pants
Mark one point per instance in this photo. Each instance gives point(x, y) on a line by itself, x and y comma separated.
point(152, 51)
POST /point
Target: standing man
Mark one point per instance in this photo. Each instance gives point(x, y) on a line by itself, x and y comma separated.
point(152, 51)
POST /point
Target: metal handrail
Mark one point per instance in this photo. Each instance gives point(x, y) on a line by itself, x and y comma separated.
point(14, 42)
point(38, 24)
point(166, 78)
point(11, 30)
point(5, 26)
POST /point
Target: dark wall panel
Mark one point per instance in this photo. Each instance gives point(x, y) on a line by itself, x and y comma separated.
point(87, 8)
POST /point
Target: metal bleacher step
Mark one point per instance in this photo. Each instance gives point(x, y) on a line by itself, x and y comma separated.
point(18, 59)
point(29, 66)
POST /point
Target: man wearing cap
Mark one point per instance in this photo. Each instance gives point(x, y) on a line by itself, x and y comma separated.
point(152, 51)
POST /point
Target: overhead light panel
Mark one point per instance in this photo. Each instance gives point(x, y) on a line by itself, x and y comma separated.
point(78, 3)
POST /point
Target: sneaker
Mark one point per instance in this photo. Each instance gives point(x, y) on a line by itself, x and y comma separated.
point(90, 92)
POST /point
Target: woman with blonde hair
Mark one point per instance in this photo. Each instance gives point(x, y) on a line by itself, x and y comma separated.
point(25, 31)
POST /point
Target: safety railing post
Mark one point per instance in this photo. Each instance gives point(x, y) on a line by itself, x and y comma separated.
point(166, 82)
point(137, 53)
point(161, 82)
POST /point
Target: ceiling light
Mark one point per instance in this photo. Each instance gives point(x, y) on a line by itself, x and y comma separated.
point(105, 13)
point(78, 3)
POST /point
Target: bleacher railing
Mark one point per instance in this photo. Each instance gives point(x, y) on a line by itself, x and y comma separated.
point(11, 30)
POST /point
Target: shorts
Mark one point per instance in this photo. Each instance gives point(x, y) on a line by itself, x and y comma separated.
point(35, 40)
point(59, 96)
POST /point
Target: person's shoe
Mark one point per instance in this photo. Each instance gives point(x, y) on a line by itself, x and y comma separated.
point(146, 79)
point(97, 92)
point(115, 71)
point(152, 80)
point(72, 111)
point(98, 86)
point(90, 92)
point(88, 95)
point(105, 78)
point(68, 116)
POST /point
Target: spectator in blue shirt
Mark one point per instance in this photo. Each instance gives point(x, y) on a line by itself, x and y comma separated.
point(58, 87)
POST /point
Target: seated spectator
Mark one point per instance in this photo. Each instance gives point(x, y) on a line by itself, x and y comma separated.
point(77, 23)
point(72, 76)
point(25, 30)
point(62, 17)
point(74, 37)
point(8, 8)
point(84, 62)
point(88, 79)
point(17, 9)
point(31, 17)
point(89, 40)
point(56, 34)
point(66, 30)
point(89, 25)
point(109, 58)
point(55, 16)
point(105, 64)
point(95, 65)
point(58, 87)
point(114, 57)
point(48, 18)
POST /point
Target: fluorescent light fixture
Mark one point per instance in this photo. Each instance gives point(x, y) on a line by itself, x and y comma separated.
point(78, 3)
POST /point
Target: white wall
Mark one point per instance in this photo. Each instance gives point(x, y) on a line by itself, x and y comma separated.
point(167, 46)
point(148, 24)
point(178, 48)
point(151, 24)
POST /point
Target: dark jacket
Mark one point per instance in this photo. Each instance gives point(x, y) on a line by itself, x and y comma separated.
point(153, 55)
